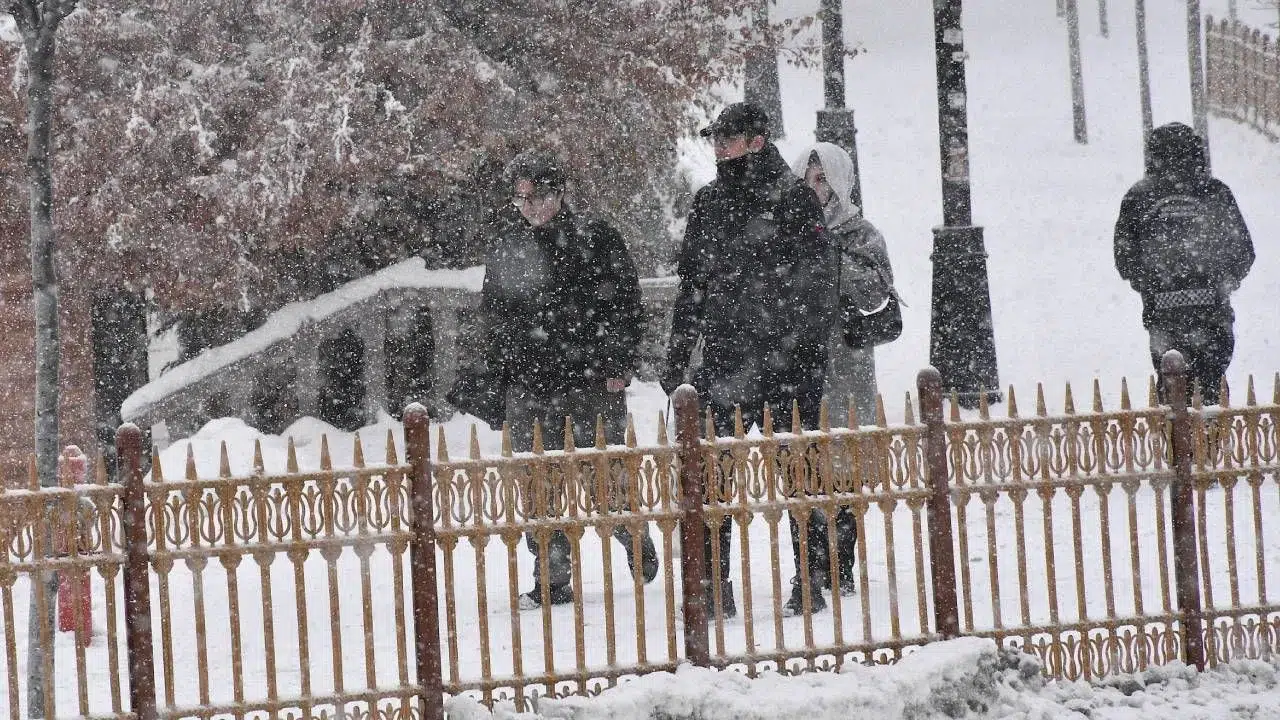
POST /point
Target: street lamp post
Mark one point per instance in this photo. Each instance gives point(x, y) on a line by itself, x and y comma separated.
point(761, 86)
point(1144, 73)
point(835, 122)
point(1199, 106)
point(962, 341)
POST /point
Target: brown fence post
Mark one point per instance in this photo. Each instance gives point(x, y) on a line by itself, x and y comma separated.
point(137, 574)
point(422, 561)
point(946, 615)
point(1186, 566)
point(693, 525)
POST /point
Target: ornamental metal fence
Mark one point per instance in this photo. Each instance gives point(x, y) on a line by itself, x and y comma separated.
point(1102, 541)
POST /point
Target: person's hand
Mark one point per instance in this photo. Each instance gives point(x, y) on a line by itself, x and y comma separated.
point(616, 384)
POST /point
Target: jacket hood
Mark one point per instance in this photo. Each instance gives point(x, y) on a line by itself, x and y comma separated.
point(838, 167)
point(1175, 149)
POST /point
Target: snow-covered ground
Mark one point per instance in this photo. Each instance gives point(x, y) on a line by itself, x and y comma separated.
point(964, 678)
point(1060, 312)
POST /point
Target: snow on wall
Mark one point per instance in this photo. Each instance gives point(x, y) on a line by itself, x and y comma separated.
point(409, 274)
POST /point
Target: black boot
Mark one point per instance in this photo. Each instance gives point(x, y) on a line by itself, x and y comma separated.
point(846, 529)
point(560, 595)
point(720, 573)
point(795, 606)
point(648, 553)
point(727, 604)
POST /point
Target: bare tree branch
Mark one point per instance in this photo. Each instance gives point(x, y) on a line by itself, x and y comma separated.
point(61, 9)
point(26, 15)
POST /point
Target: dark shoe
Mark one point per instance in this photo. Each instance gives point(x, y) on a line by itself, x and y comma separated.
point(532, 600)
point(648, 558)
point(848, 581)
point(727, 604)
point(795, 606)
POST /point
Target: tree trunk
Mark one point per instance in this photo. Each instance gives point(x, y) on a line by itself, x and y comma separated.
point(38, 22)
point(45, 304)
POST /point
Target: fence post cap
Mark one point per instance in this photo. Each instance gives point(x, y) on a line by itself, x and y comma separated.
point(684, 396)
point(929, 376)
point(1172, 362)
point(414, 408)
point(128, 431)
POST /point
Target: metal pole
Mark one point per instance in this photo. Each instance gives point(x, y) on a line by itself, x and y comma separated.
point(422, 562)
point(761, 86)
point(946, 614)
point(1186, 566)
point(1078, 123)
point(835, 123)
point(693, 526)
point(962, 343)
point(1199, 108)
point(1144, 74)
point(137, 574)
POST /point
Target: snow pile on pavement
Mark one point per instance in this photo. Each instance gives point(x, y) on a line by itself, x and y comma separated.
point(962, 678)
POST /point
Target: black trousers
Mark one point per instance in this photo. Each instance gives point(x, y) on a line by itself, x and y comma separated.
point(582, 405)
point(1206, 346)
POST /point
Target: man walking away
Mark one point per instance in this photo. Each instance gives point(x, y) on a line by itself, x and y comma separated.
point(756, 290)
point(1181, 242)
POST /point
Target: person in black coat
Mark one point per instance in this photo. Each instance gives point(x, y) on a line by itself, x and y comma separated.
point(757, 290)
point(1182, 243)
point(562, 318)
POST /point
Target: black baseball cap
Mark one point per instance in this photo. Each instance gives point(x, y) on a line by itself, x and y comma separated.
point(741, 118)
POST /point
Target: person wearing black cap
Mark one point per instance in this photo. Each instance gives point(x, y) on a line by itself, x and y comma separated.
point(756, 292)
point(1182, 243)
point(562, 320)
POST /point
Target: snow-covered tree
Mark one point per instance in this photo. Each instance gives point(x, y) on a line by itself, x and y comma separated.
point(220, 154)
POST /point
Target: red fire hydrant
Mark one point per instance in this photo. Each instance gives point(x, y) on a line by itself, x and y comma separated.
point(75, 600)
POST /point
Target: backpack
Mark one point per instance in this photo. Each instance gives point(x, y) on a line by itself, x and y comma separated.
point(1183, 240)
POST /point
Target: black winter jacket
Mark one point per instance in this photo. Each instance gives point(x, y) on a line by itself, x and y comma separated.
point(1180, 239)
point(757, 273)
point(560, 304)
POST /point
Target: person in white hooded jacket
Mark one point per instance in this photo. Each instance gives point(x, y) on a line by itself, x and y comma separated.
point(865, 284)
point(865, 275)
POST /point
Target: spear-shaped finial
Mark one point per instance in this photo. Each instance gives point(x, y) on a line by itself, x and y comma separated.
point(442, 446)
point(357, 451)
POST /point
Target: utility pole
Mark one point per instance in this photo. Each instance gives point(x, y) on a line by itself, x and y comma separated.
point(1144, 74)
point(835, 122)
point(1199, 108)
point(1078, 122)
point(761, 86)
point(961, 338)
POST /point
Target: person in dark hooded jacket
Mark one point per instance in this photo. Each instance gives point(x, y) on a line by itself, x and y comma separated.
point(562, 318)
point(1182, 243)
point(756, 291)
